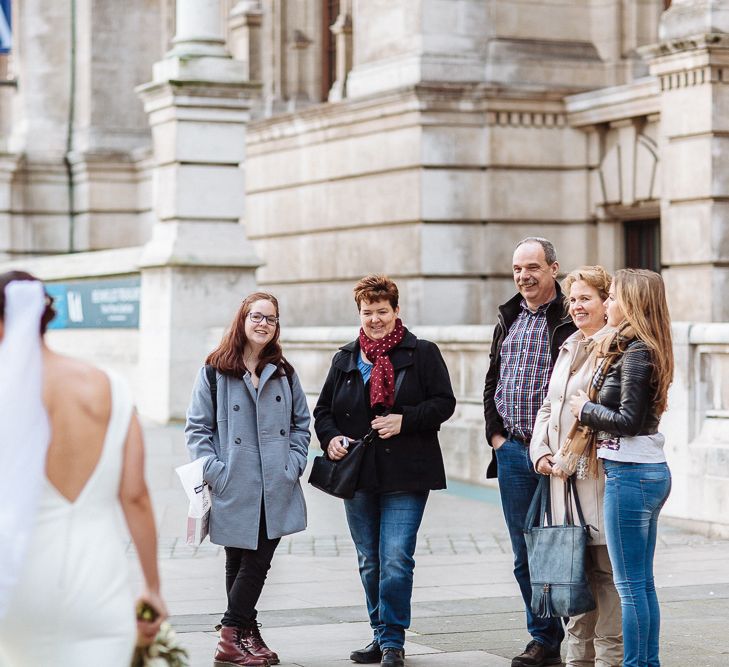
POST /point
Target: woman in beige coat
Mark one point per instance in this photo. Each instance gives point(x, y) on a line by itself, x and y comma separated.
point(594, 638)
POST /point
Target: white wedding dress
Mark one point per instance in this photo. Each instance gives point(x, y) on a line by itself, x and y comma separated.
point(72, 605)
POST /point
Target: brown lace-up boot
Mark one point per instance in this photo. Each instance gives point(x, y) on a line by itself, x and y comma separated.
point(251, 640)
point(231, 652)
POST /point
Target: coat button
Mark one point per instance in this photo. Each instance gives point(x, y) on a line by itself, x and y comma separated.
point(278, 398)
point(387, 451)
point(282, 431)
point(236, 407)
point(286, 467)
point(237, 441)
point(346, 414)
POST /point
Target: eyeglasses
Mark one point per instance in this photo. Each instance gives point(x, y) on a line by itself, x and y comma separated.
point(257, 318)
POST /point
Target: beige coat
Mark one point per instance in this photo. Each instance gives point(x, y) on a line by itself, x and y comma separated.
point(572, 372)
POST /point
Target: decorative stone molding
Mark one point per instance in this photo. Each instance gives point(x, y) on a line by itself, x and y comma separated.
point(526, 119)
point(628, 171)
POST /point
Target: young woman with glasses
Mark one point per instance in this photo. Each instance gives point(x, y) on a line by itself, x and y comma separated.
point(256, 446)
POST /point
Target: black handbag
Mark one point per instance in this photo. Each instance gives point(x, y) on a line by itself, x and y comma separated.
point(339, 478)
point(557, 556)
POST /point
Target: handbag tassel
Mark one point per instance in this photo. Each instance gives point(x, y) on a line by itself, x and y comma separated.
point(545, 610)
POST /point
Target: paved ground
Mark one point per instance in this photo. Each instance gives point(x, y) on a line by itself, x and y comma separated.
point(466, 612)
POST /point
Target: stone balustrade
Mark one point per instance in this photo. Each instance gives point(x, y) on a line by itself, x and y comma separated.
point(696, 424)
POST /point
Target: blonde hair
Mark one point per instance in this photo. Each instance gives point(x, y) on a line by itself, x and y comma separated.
point(595, 276)
point(641, 295)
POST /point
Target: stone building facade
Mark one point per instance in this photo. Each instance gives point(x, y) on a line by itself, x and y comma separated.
point(201, 147)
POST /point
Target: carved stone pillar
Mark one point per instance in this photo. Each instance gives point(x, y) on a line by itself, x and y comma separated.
point(245, 22)
point(692, 65)
point(199, 263)
point(342, 31)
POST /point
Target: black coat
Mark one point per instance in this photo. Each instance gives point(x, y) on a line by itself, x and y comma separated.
point(411, 460)
point(559, 326)
point(626, 402)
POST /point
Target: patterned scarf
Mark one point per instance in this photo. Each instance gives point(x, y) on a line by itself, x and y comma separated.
point(579, 452)
point(382, 378)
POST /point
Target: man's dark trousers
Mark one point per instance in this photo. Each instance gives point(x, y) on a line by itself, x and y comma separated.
point(517, 484)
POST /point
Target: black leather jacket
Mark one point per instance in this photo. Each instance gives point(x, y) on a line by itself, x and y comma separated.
point(626, 403)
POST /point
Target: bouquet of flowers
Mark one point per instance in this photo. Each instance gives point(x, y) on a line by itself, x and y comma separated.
point(164, 651)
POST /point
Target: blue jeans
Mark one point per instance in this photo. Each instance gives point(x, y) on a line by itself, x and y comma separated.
point(384, 528)
point(634, 496)
point(517, 484)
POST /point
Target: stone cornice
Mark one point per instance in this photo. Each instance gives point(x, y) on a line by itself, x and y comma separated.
point(607, 105)
point(712, 40)
point(467, 104)
point(689, 61)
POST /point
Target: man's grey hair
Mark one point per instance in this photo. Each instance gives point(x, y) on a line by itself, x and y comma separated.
point(550, 254)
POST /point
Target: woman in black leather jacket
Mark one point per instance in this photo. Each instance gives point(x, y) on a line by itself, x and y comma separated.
point(634, 371)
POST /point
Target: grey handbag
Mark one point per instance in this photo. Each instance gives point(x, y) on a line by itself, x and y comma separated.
point(557, 556)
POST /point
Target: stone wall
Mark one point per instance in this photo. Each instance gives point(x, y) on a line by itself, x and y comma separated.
point(433, 185)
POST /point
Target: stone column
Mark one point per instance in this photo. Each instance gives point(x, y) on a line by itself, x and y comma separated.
point(342, 31)
point(199, 264)
point(406, 42)
point(692, 65)
point(245, 36)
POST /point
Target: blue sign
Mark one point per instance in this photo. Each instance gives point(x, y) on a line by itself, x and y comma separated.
point(96, 304)
point(6, 35)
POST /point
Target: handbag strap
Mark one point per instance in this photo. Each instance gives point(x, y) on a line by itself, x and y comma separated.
point(570, 492)
point(212, 377)
point(541, 503)
point(398, 381)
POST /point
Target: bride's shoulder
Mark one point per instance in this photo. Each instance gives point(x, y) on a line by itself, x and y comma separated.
point(69, 380)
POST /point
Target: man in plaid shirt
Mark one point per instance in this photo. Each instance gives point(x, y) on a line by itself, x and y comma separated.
point(531, 328)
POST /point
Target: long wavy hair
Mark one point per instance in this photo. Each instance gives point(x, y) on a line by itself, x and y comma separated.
point(641, 295)
point(228, 357)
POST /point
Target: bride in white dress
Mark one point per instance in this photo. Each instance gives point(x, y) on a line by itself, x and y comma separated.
point(72, 457)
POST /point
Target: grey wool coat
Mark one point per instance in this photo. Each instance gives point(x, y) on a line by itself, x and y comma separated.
point(255, 455)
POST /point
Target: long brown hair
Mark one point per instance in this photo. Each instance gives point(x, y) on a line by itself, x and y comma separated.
point(227, 358)
point(641, 295)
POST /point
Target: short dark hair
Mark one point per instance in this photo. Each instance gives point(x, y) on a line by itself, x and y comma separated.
point(550, 254)
point(13, 276)
point(376, 287)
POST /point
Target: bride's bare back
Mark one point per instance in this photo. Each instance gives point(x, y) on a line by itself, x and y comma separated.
point(77, 397)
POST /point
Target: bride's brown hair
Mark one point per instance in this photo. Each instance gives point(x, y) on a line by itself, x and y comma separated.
point(12, 276)
point(227, 358)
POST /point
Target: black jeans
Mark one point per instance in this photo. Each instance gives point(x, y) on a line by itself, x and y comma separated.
point(245, 573)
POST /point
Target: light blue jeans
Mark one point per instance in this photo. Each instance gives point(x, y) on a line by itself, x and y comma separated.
point(634, 496)
point(384, 528)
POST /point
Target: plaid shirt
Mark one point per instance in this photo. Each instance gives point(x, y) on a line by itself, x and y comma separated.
point(524, 372)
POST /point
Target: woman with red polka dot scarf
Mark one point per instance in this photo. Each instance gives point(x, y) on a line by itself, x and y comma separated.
point(389, 381)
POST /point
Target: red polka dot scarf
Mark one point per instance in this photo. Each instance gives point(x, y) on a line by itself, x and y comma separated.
point(382, 378)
